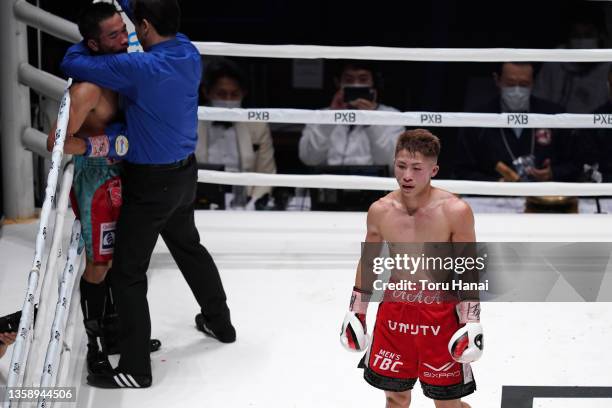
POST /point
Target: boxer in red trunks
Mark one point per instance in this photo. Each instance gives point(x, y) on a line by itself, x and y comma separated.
point(411, 339)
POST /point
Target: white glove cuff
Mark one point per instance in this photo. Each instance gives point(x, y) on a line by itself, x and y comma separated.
point(359, 301)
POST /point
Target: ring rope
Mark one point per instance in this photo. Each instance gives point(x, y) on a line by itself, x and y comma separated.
point(24, 338)
point(490, 188)
point(434, 119)
point(403, 54)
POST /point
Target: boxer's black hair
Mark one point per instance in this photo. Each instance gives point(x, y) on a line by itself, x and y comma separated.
point(90, 18)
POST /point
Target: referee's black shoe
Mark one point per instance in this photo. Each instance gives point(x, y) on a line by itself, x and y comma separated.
point(117, 379)
point(221, 330)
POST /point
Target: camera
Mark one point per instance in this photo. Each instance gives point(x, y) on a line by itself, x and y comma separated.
point(10, 323)
point(522, 164)
point(352, 93)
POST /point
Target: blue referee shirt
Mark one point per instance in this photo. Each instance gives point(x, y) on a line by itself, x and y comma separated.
point(161, 95)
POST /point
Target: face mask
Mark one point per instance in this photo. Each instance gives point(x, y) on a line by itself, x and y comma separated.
point(355, 85)
point(222, 103)
point(515, 98)
point(583, 43)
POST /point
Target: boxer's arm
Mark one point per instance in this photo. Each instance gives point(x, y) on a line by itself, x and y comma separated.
point(84, 97)
point(463, 237)
point(353, 334)
point(374, 240)
point(466, 345)
point(121, 73)
point(461, 221)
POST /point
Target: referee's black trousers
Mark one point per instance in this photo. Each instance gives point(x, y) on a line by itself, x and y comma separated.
point(158, 200)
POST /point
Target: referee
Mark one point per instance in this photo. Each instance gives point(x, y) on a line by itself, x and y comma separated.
point(159, 90)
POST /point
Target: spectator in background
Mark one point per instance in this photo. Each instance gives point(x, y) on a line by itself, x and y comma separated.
point(6, 339)
point(240, 146)
point(597, 144)
point(578, 87)
point(337, 145)
point(513, 154)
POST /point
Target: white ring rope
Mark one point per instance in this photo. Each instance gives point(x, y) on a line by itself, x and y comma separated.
point(21, 346)
point(62, 308)
point(34, 363)
point(388, 184)
point(403, 54)
point(433, 119)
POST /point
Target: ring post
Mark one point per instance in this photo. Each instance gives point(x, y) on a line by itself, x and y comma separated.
point(17, 172)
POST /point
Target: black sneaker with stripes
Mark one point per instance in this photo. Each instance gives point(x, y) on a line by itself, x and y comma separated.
point(117, 379)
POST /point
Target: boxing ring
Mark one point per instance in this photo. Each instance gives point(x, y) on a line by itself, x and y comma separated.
point(288, 274)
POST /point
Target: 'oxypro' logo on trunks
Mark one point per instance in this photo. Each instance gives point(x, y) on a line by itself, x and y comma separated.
point(442, 372)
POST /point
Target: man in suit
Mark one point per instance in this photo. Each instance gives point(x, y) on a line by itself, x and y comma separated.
point(240, 146)
point(510, 154)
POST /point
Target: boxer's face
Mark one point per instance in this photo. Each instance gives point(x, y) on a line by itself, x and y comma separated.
point(113, 38)
point(413, 171)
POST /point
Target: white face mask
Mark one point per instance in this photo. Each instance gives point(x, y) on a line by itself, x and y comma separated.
point(583, 43)
point(515, 98)
point(223, 103)
point(355, 85)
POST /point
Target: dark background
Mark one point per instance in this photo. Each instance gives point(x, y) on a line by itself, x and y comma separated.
point(426, 86)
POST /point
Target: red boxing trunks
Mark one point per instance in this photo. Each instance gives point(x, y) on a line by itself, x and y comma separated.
point(410, 342)
point(96, 202)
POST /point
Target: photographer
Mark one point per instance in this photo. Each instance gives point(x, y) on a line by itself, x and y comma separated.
point(340, 145)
